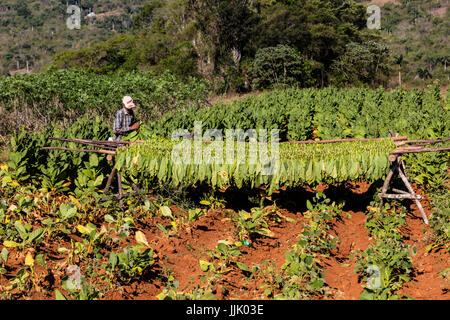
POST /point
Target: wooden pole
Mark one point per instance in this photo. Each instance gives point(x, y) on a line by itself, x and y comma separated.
point(119, 183)
point(423, 142)
point(83, 141)
point(400, 196)
point(387, 181)
point(105, 142)
point(80, 150)
point(411, 191)
point(418, 150)
point(347, 140)
point(89, 143)
point(110, 179)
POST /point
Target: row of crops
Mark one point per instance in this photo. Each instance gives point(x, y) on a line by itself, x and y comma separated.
point(79, 92)
point(298, 114)
point(302, 114)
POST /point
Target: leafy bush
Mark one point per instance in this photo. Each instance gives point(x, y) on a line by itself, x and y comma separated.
point(54, 169)
point(131, 262)
point(280, 66)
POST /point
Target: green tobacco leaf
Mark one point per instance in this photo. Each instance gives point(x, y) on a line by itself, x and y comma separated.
point(366, 296)
point(21, 229)
point(59, 295)
point(166, 212)
point(36, 234)
point(242, 266)
point(204, 265)
point(40, 260)
point(4, 255)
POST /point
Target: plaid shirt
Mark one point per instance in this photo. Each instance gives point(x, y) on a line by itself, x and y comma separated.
point(123, 121)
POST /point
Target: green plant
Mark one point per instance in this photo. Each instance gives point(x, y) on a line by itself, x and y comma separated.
point(195, 214)
point(440, 220)
point(54, 172)
point(86, 291)
point(226, 253)
point(90, 178)
point(92, 235)
point(384, 224)
point(20, 283)
point(175, 222)
point(280, 66)
point(213, 202)
point(302, 277)
point(273, 281)
point(385, 266)
point(133, 261)
point(171, 292)
point(67, 211)
point(26, 235)
point(250, 224)
point(4, 254)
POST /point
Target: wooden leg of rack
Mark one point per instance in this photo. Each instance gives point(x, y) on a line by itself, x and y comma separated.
point(110, 179)
point(411, 191)
point(387, 182)
point(119, 183)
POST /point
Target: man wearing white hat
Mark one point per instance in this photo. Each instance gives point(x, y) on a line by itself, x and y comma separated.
point(125, 122)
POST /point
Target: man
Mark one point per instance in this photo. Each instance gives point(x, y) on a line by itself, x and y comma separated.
point(125, 122)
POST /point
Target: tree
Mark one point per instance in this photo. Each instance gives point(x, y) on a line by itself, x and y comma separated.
point(280, 66)
point(320, 29)
point(362, 63)
point(398, 60)
point(23, 10)
point(145, 16)
point(423, 73)
point(224, 27)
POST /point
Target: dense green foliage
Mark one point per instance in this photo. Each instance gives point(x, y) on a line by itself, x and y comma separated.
point(299, 114)
point(82, 93)
point(221, 40)
point(417, 31)
point(366, 63)
point(330, 113)
point(280, 66)
point(386, 264)
point(37, 100)
point(34, 31)
point(55, 170)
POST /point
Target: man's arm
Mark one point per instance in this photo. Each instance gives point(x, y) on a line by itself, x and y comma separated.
point(134, 125)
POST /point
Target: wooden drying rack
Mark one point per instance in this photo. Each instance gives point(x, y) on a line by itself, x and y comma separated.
point(397, 166)
point(110, 149)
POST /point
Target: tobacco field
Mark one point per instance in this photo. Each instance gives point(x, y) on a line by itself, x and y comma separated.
point(219, 230)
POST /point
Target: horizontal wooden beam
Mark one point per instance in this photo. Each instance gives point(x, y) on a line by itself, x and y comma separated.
point(418, 150)
point(400, 191)
point(423, 142)
point(80, 150)
point(400, 196)
point(347, 140)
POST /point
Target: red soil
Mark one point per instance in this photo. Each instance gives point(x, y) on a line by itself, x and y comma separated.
point(179, 256)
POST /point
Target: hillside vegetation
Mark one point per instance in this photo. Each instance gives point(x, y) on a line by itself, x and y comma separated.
point(34, 31)
point(418, 34)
